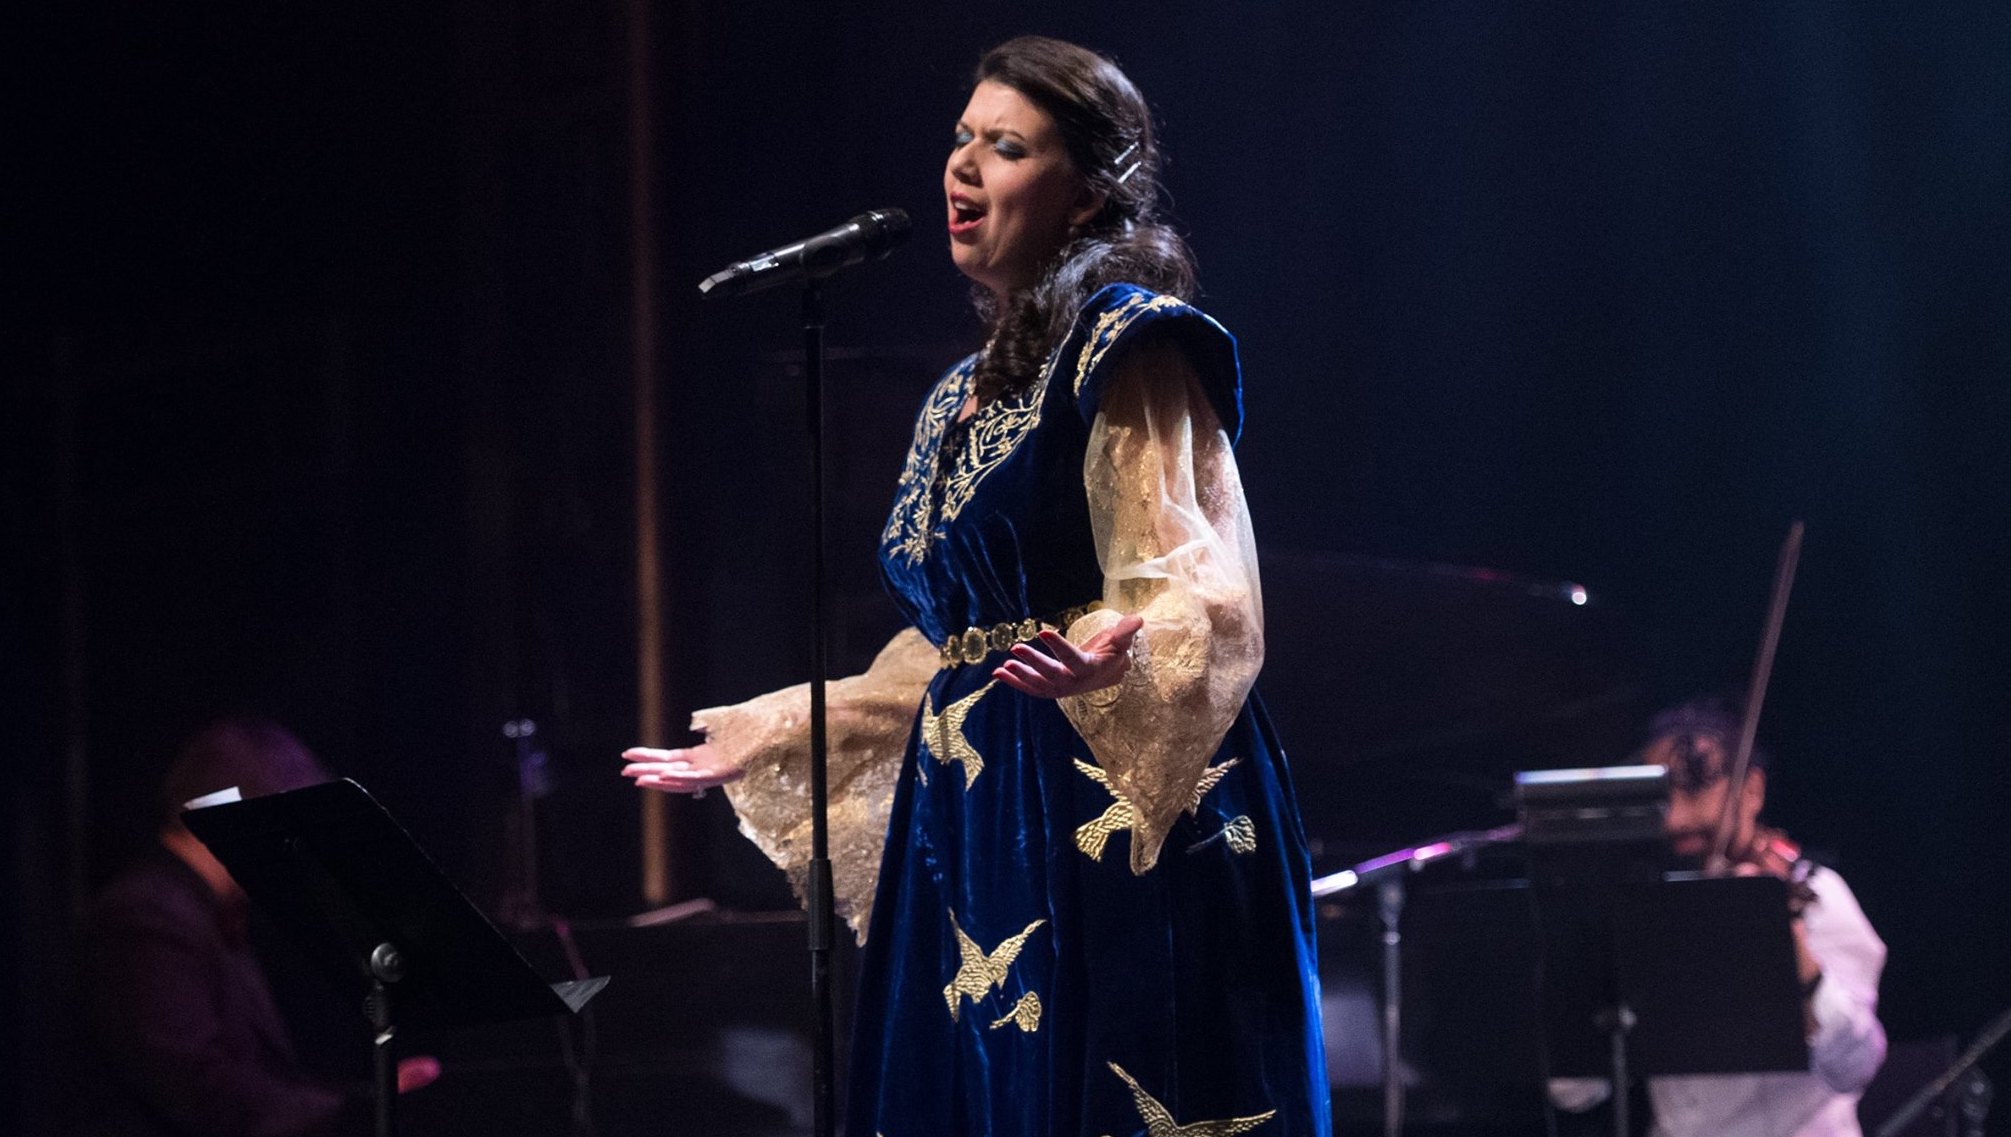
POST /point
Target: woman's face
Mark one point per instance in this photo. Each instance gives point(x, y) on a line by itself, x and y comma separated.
point(1011, 191)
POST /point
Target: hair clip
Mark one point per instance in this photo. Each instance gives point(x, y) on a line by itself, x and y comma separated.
point(1128, 170)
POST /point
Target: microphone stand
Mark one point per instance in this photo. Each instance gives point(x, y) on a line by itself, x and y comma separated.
point(818, 885)
point(1388, 873)
point(869, 236)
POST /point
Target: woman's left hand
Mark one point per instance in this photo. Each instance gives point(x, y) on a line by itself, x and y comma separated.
point(1066, 669)
point(691, 770)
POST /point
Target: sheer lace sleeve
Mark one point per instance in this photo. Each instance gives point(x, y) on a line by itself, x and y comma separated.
point(1174, 542)
point(867, 718)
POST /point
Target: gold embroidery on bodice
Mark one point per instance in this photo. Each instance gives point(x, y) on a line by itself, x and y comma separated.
point(996, 429)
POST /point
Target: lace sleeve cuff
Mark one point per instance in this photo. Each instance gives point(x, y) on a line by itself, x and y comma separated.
point(868, 719)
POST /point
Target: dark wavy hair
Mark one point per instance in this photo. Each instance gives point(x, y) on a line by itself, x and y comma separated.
point(1107, 129)
point(1686, 724)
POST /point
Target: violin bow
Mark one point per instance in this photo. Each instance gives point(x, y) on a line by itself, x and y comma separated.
point(1756, 694)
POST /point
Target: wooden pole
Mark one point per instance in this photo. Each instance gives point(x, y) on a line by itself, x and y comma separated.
point(651, 725)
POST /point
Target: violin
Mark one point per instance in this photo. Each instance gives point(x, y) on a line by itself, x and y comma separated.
point(1774, 853)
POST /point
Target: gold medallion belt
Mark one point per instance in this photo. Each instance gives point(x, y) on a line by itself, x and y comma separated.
point(974, 643)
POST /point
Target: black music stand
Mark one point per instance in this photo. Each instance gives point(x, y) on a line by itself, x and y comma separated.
point(1683, 974)
point(334, 870)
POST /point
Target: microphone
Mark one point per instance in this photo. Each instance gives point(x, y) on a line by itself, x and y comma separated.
point(869, 236)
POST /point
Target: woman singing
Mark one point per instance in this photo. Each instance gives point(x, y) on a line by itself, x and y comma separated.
point(1056, 792)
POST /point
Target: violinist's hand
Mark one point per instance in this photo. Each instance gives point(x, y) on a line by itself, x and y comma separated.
point(1068, 669)
point(692, 770)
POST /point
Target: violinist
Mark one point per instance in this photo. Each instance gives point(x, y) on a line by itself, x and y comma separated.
point(1837, 953)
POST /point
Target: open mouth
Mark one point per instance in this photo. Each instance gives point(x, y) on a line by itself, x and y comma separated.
point(964, 216)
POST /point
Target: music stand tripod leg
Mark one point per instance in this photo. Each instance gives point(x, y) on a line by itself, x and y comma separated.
point(1390, 902)
point(1616, 1021)
point(386, 967)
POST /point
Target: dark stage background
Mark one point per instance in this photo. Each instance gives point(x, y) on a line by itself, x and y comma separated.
point(319, 399)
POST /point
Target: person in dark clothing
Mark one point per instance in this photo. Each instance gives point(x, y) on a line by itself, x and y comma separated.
point(181, 1022)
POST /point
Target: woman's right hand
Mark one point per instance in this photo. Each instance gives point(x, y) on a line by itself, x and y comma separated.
point(692, 770)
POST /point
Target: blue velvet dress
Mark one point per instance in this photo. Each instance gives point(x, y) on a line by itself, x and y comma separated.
point(1019, 978)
